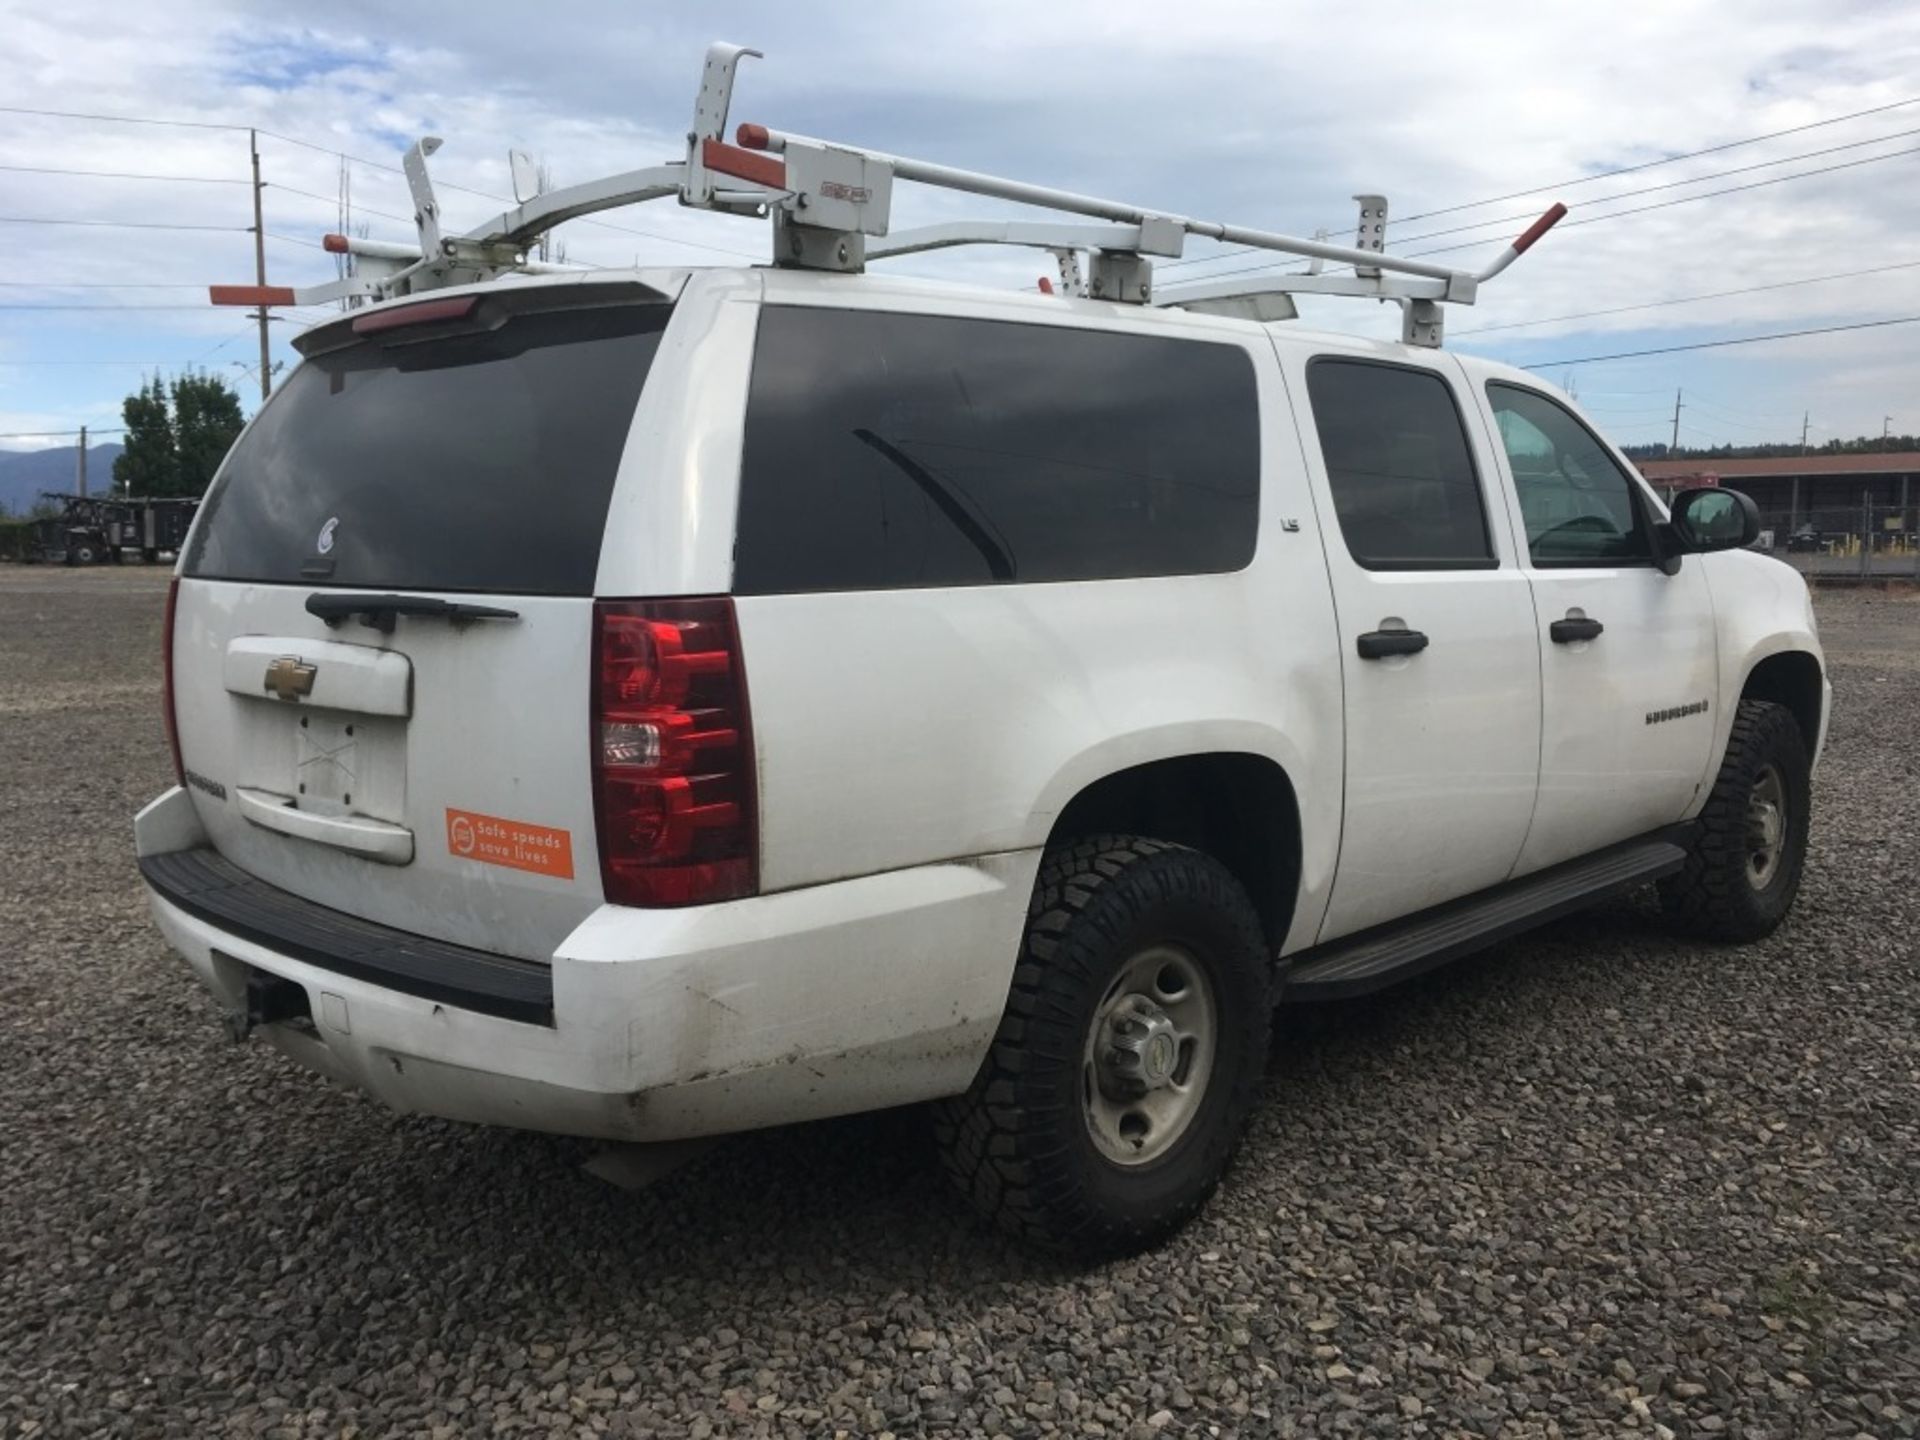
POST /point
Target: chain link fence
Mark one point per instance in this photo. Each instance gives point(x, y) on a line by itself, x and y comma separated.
point(1860, 541)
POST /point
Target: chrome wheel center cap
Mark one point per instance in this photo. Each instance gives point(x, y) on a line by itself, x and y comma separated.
point(1143, 1049)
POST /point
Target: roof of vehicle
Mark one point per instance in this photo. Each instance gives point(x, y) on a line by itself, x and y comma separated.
point(879, 288)
point(947, 295)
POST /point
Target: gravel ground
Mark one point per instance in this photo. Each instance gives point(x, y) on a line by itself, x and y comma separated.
point(1592, 1182)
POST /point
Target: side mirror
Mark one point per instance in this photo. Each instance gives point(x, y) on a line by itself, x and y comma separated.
point(1713, 519)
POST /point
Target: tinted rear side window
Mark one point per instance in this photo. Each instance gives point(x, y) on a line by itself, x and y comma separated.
point(1402, 476)
point(481, 461)
point(885, 451)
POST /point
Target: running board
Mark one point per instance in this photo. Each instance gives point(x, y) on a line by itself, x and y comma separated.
point(1387, 954)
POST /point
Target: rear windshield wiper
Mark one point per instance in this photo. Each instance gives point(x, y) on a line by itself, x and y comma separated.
point(381, 611)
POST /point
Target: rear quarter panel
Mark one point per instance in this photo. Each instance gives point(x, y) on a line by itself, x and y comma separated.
point(904, 727)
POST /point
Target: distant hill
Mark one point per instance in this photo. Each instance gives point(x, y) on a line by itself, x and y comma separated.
point(25, 473)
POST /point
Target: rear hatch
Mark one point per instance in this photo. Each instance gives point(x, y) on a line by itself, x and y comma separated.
point(384, 620)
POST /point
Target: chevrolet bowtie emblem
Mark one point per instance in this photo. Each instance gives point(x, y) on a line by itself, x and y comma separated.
point(289, 677)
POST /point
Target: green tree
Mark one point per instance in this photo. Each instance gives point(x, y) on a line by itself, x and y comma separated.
point(177, 435)
point(149, 465)
point(206, 422)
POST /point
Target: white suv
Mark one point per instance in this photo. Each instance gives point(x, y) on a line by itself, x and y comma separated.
point(655, 704)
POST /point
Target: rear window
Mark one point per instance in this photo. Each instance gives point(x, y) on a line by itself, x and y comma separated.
point(481, 460)
point(886, 451)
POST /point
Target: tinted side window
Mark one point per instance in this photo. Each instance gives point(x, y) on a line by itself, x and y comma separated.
point(1578, 504)
point(885, 451)
point(1399, 466)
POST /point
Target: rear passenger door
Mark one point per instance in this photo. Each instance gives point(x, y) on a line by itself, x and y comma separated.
point(1437, 636)
point(1628, 662)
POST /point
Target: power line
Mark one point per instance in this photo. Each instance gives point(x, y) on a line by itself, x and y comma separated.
point(11, 306)
point(1610, 215)
point(123, 175)
point(86, 430)
point(358, 209)
point(1689, 299)
point(359, 160)
point(1505, 220)
point(1718, 344)
point(207, 355)
point(1689, 199)
point(1717, 411)
point(1669, 160)
point(1576, 181)
point(117, 224)
point(501, 199)
point(116, 119)
point(98, 285)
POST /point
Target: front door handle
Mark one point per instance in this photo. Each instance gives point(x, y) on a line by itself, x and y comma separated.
point(1378, 644)
point(1565, 632)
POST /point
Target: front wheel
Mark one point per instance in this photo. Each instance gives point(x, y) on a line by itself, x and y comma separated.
point(1750, 844)
point(1129, 1055)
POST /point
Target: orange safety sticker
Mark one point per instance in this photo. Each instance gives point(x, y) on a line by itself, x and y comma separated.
point(513, 843)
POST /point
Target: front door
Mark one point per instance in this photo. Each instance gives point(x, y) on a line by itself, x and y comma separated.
point(1628, 668)
point(1441, 665)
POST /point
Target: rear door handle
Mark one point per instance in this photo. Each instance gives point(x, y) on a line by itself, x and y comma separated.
point(1378, 644)
point(1565, 632)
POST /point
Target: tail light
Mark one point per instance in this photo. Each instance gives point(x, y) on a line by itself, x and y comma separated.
point(672, 753)
point(166, 662)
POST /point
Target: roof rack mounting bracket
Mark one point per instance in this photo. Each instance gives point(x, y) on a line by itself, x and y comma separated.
point(798, 246)
point(1072, 281)
point(1422, 322)
point(1118, 275)
point(526, 176)
point(426, 207)
point(710, 107)
point(1371, 232)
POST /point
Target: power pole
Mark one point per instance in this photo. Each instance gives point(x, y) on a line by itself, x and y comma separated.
point(1673, 448)
point(81, 473)
point(1793, 512)
point(1885, 421)
point(259, 261)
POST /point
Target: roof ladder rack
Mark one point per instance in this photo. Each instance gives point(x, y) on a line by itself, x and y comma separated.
point(830, 206)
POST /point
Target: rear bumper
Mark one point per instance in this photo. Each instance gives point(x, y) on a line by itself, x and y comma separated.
point(666, 1024)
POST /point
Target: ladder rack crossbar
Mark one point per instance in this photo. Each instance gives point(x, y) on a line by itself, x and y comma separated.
point(528, 221)
point(1038, 235)
point(974, 182)
point(830, 206)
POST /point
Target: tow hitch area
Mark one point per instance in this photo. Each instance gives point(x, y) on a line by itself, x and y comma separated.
point(270, 1001)
point(632, 1166)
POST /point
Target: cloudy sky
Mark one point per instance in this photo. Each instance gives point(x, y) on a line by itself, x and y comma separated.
point(1265, 114)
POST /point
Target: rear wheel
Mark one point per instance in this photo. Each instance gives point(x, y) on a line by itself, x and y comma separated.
point(1750, 845)
point(1129, 1055)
